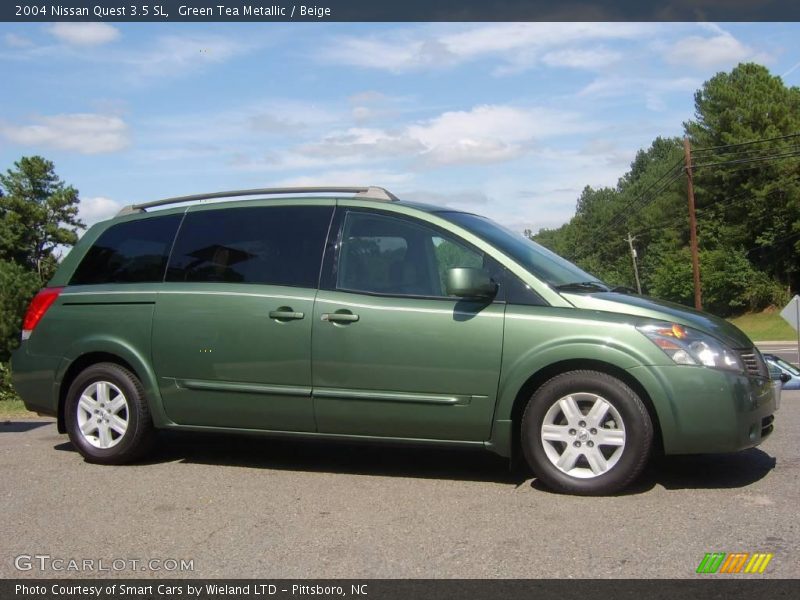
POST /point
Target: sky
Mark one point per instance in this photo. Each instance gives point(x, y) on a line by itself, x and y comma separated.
point(508, 120)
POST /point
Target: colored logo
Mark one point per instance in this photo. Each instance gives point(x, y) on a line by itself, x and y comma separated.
point(735, 562)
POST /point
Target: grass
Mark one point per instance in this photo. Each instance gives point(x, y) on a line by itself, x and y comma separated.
point(14, 408)
point(765, 326)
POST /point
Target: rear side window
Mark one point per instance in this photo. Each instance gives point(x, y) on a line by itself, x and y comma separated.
point(280, 245)
point(131, 252)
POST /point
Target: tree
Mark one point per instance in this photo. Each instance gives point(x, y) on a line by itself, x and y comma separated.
point(748, 213)
point(750, 206)
point(39, 214)
point(17, 287)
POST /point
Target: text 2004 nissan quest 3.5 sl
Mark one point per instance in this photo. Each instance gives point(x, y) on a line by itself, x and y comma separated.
point(358, 316)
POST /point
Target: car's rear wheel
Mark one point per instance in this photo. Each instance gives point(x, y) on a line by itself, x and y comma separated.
point(107, 416)
point(586, 432)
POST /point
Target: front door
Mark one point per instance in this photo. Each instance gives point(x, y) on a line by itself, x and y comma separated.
point(232, 326)
point(393, 355)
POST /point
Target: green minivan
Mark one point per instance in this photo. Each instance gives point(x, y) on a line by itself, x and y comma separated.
point(345, 313)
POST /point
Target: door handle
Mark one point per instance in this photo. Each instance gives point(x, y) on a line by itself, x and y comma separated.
point(285, 313)
point(340, 317)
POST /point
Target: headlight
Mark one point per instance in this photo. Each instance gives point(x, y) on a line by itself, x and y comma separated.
point(690, 347)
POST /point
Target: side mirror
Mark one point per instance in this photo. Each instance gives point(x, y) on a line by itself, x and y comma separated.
point(470, 283)
point(785, 377)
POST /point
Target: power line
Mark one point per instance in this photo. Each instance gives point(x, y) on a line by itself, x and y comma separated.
point(733, 199)
point(795, 152)
point(741, 154)
point(750, 143)
point(631, 202)
point(618, 218)
point(746, 152)
point(621, 215)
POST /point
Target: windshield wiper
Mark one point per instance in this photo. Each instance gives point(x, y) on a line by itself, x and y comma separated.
point(621, 289)
point(582, 286)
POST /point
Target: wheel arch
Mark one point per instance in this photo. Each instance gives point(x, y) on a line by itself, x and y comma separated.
point(95, 351)
point(540, 377)
point(75, 368)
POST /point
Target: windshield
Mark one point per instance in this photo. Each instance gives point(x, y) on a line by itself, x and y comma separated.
point(546, 265)
point(786, 366)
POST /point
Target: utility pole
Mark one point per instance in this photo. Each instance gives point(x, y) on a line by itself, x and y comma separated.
point(630, 239)
point(698, 302)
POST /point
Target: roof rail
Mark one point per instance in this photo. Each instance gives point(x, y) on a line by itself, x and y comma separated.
point(369, 192)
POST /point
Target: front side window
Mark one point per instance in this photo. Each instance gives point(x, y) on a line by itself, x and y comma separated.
point(130, 252)
point(394, 256)
point(545, 264)
point(279, 245)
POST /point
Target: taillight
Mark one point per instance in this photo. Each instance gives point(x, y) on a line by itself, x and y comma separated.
point(39, 305)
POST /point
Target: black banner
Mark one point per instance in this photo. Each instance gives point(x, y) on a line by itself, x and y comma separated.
point(397, 589)
point(399, 10)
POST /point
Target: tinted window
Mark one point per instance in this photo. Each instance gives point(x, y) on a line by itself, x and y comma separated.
point(518, 292)
point(540, 261)
point(132, 252)
point(393, 256)
point(279, 245)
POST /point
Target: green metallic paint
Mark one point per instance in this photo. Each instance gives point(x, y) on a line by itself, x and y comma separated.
point(106, 319)
point(403, 397)
point(409, 369)
point(710, 410)
point(411, 347)
point(643, 306)
point(222, 334)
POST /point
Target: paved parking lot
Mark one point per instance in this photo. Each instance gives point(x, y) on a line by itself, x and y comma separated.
point(244, 507)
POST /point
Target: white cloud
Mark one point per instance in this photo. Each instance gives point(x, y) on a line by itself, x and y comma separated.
point(179, 54)
point(652, 90)
point(591, 58)
point(244, 136)
point(363, 142)
point(485, 134)
point(346, 177)
point(721, 50)
point(518, 45)
point(84, 34)
point(371, 105)
point(97, 208)
point(462, 199)
point(85, 133)
point(17, 41)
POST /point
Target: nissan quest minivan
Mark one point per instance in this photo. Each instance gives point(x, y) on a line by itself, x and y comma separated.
point(362, 317)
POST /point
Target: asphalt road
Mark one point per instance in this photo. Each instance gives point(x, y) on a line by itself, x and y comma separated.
point(245, 507)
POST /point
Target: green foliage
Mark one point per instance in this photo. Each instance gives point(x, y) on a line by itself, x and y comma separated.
point(7, 393)
point(748, 214)
point(17, 286)
point(38, 214)
point(765, 326)
point(755, 206)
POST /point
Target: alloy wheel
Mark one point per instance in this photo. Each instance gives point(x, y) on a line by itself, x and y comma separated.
point(583, 435)
point(103, 414)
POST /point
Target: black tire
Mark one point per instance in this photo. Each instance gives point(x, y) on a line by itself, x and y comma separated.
point(139, 436)
point(626, 460)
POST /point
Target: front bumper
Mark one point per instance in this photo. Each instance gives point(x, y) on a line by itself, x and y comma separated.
point(702, 410)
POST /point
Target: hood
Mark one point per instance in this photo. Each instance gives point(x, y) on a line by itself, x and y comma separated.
point(644, 306)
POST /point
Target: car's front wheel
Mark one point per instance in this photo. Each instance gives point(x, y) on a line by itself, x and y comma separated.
point(586, 432)
point(107, 416)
